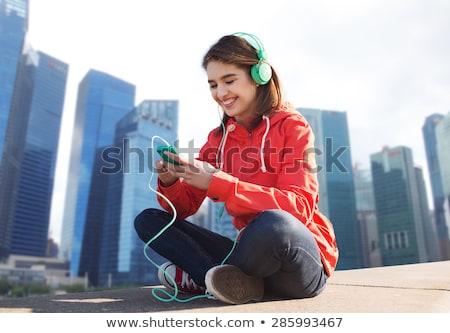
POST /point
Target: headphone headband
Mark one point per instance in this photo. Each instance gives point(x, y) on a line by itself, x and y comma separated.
point(254, 42)
point(261, 72)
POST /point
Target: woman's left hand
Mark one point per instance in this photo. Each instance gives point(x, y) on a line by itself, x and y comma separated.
point(196, 173)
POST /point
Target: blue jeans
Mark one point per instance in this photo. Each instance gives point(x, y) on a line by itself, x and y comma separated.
point(274, 246)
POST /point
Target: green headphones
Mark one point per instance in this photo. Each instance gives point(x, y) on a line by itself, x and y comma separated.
point(261, 72)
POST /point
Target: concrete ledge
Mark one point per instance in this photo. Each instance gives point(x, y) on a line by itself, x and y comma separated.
point(421, 288)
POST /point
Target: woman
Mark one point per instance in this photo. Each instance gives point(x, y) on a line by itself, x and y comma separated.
point(259, 163)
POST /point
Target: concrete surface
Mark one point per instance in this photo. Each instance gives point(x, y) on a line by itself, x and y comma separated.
point(421, 288)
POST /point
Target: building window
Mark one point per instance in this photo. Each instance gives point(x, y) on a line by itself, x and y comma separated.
point(403, 239)
point(388, 241)
point(396, 240)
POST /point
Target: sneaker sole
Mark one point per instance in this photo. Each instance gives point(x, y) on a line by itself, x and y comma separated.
point(230, 285)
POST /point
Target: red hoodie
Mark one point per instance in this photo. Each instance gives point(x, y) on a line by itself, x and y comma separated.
point(282, 177)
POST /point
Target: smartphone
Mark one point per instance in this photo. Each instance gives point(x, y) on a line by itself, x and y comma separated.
point(171, 149)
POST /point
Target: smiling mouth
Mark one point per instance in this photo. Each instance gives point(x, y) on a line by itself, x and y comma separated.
point(229, 103)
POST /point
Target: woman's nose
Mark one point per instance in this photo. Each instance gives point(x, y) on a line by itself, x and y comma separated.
point(222, 91)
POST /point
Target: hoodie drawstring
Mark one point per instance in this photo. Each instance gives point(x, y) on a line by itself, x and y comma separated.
point(220, 150)
point(263, 142)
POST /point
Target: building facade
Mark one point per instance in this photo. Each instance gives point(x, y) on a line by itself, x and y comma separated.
point(336, 183)
point(13, 29)
point(39, 100)
point(429, 227)
point(443, 152)
point(101, 102)
point(132, 182)
point(436, 181)
point(367, 218)
point(400, 207)
point(32, 91)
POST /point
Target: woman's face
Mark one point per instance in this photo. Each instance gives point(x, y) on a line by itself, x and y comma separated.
point(233, 89)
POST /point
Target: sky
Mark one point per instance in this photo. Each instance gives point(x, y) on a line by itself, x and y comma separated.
point(385, 63)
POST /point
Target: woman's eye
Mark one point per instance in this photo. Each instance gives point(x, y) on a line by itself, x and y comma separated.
point(229, 82)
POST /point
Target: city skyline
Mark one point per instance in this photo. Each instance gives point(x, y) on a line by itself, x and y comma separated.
point(384, 64)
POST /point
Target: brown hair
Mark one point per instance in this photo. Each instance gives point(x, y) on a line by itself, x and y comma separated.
point(235, 50)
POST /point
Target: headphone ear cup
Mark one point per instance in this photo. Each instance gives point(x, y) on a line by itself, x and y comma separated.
point(261, 73)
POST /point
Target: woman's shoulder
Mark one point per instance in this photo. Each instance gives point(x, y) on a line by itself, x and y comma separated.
point(288, 116)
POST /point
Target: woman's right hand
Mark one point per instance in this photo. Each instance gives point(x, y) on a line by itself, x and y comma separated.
point(166, 178)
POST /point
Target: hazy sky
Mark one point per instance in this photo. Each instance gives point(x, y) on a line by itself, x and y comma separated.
point(386, 63)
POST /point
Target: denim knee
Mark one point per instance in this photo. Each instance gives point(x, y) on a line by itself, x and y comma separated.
point(142, 218)
point(149, 219)
point(276, 222)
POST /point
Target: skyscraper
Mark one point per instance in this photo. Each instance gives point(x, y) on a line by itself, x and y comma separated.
point(13, 29)
point(336, 184)
point(39, 97)
point(367, 218)
point(436, 180)
point(102, 101)
point(400, 207)
point(443, 152)
point(429, 229)
point(32, 97)
point(129, 167)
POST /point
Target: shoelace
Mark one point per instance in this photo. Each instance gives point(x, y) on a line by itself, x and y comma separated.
point(187, 282)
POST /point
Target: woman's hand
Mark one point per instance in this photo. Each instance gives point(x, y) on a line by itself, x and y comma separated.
point(196, 173)
point(165, 177)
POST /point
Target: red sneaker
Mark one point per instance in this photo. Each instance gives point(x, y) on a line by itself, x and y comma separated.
point(183, 280)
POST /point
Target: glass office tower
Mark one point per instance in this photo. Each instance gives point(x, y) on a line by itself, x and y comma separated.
point(435, 174)
point(102, 101)
point(443, 152)
point(430, 234)
point(13, 28)
point(336, 183)
point(367, 217)
point(39, 98)
point(129, 167)
point(399, 206)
